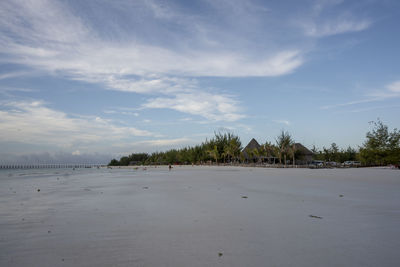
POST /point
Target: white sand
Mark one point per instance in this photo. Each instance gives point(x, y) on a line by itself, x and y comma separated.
point(187, 216)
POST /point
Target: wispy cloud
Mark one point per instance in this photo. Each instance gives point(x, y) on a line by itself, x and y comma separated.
point(368, 109)
point(326, 20)
point(392, 90)
point(351, 103)
point(13, 74)
point(59, 42)
point(334, 27)
point(35, 123)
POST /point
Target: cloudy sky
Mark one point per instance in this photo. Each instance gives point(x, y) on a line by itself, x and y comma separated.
point(115, 77)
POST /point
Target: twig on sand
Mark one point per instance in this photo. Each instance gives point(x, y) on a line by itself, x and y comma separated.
point(314, 216)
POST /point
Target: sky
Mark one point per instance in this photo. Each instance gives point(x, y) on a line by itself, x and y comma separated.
point(93, 80)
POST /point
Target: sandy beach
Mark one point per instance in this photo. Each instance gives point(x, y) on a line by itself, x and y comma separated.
point(200, 216)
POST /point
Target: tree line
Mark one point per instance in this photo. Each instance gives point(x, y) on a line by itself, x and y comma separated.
point(223, 147)
point(381, 147)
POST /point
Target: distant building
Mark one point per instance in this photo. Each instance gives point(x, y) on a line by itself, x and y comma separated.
point(302, 155)
point(251, 146)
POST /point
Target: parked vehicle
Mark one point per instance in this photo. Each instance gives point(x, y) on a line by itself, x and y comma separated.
point(351, 163)
point(331, 164)
point(317, 164)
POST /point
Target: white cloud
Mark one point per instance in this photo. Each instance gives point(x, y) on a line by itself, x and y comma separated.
point(391, 90)
point(286, 122)
point(61, 43)
point(34, 123)
point(76, 153)
point(394, 87)
point(54, 158)
point(57, 40)
point(165, 142)
point(210, 106)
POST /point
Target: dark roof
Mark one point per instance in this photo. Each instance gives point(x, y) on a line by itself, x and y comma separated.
point(252, 145)
point(305, 151)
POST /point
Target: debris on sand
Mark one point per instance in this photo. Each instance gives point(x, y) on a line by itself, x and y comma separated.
point(314, 216)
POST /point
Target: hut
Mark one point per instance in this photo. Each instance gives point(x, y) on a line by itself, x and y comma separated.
point(247, 151)
point(302, 155)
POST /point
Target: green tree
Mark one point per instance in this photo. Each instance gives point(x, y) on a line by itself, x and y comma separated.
point(382, 146)
point(284, 142)
point(214, 153)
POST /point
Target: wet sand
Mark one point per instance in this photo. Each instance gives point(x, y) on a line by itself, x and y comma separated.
point(200, 216)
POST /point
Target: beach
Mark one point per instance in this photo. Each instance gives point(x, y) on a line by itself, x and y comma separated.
point(200, 216)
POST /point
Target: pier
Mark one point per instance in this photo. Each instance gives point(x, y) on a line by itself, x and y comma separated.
point(50, 166)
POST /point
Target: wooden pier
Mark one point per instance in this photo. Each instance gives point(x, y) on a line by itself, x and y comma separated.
point(50, 166)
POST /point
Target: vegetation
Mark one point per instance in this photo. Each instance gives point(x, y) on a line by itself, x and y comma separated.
point(223, 147)
point(334, 154)
point(285, 145)
point(381, 147)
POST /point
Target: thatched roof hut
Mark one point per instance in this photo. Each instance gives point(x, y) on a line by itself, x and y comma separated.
point(303, 154)
point(253, 144)
point(305, 151)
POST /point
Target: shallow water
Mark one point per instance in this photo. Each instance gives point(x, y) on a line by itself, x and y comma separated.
point(200, 216)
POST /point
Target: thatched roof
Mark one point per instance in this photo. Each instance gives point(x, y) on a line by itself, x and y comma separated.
point(303, 150)
point(252, 145)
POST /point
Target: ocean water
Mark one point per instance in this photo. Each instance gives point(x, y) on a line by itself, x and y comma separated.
point(200, 216)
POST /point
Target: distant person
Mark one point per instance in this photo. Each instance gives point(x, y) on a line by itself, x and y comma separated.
point(169, 167)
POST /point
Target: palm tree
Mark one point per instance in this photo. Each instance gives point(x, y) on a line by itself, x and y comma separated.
point(269, 150)
point(284, 142)
point(292, 151)
point(228, 151)
point(250, 154)
point(214, 153)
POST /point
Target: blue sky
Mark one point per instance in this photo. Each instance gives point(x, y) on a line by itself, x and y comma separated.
point(116, 77)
